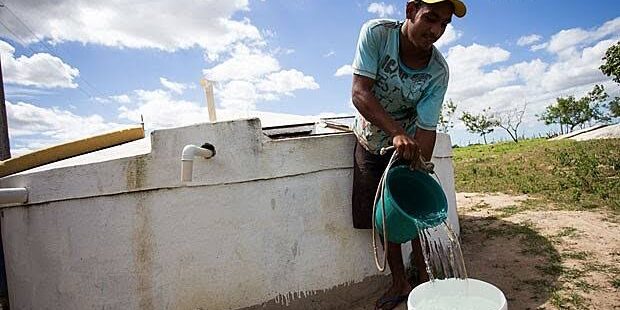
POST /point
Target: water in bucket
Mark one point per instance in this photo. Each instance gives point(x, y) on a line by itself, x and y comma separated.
point(455, 294)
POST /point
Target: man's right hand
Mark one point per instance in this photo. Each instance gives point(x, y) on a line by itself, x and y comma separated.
point(407, 147)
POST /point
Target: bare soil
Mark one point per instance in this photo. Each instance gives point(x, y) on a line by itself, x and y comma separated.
point(541, 259)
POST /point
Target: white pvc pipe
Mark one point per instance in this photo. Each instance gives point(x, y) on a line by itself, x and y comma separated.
point(187, 160)
point(13, 195)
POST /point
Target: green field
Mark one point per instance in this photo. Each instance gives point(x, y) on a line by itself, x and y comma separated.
point(562, 174)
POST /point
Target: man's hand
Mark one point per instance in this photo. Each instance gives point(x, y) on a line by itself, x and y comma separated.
point(407, 147)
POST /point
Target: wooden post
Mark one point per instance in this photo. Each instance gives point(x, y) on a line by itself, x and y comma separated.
point(208, 87)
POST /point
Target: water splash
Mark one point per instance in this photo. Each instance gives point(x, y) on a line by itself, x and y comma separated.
point(442, 252)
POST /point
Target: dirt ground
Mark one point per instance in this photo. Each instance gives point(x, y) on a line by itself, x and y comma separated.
point(539, 259)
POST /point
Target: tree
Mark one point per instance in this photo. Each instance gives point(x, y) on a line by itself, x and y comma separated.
point(571, 112)
point(596, 100)
point(510, 121)
point(446, 118)
point(614, 107)
point(611, 67)
point(482, 124)
point(554, 114)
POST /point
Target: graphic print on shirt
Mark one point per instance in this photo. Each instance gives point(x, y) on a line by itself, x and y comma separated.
point(405, 88)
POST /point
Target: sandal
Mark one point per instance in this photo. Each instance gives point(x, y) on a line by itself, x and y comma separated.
point(390, 302)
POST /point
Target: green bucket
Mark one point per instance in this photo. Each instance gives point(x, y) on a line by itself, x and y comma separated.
point(412, 199)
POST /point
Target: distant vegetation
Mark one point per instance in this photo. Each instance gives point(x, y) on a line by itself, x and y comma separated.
point(569, 112)
point(565, 174)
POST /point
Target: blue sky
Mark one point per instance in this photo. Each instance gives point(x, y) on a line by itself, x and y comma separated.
point(79, 67)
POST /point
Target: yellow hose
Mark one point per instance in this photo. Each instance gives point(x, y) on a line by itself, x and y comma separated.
point(70, 149)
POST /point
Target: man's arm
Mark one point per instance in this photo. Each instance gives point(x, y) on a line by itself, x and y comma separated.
point(426, 140)
point(369, 107)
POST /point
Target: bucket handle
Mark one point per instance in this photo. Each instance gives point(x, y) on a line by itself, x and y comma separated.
point(379, 193)
point(427, 167)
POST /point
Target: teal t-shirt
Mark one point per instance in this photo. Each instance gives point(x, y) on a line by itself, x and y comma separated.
point(413, 97)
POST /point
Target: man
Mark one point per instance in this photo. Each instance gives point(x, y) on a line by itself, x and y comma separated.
point(399, 83)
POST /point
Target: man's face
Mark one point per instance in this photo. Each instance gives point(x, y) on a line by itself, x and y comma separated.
point(428, 22)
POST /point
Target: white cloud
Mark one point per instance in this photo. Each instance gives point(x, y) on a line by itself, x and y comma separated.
point(381, 9)
point(568, 42)
point(477, 76)
point(121, 99)
point(581, 67)
point(173, 86)
point(238, 95)
point(245, 63)
point(537, 47)
point(251, 75)
point(14, 91)
point(476, 56)
point(286, 81)
point(329, 54)
point(346, 70)
point(39, 70)
point(283, 51)
point(161, 110)
point(449, 36)
point(163, 24)
point(469, 75)
point(219, 27)
point(32, 127)
point(528, 40)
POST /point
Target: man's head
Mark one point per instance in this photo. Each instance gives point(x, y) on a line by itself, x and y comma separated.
point(428, 19)
point(459, 6)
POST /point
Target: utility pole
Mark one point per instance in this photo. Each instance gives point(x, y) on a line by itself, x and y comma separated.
point(5, 149)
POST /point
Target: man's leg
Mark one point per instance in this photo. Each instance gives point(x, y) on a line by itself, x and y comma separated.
point(400, 287)
point(395, 261)
point(418, 259)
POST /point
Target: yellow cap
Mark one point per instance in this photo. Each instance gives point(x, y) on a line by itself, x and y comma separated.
point(459, 7)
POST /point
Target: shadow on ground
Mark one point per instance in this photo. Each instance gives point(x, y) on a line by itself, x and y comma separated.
point(513, 257)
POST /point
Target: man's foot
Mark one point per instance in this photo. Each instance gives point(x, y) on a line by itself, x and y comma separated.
point(393, 297)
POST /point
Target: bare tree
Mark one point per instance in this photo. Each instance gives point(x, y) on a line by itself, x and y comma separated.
point(510, 121)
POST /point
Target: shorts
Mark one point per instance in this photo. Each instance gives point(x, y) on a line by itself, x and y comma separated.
point(367, 171)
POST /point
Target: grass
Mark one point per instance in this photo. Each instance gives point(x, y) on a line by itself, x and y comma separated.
point(566, 174)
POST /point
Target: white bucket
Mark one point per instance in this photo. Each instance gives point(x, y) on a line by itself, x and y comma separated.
point(456, 294)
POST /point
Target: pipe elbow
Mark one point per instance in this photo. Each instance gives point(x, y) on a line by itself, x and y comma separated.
point(190, 152)
point(13, 195)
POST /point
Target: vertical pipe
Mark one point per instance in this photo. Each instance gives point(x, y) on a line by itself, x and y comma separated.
point(5, 153)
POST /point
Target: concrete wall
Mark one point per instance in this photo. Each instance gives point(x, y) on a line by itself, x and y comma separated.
point(263, 221)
